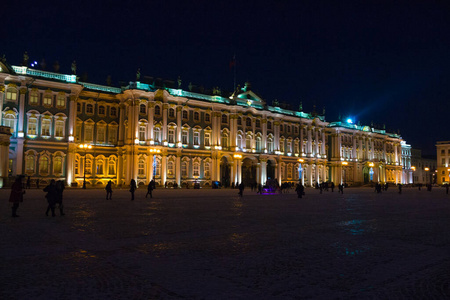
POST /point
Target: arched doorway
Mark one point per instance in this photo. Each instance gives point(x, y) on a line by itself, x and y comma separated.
point(248, 172)
point(270, 170)
point(366, 175)
point(225, 172)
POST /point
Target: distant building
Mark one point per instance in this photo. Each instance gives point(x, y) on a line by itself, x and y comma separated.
point(147, 131)
point(443, 162)
point(424, 168)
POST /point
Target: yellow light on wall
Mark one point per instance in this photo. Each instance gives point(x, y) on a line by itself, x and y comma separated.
point(344, 163)
point(238, 156)
point(413, 168)
point(371, 164)
point(301, 160)
point(427, 169)
point(152, 150)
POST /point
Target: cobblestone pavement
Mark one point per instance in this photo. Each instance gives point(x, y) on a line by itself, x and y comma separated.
point(209, 244)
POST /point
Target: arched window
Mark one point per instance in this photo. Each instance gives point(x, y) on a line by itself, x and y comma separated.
point(239, 121)
point(248, 122)
point(239, 141)
point(196, 169)
point(270, 145)
point(196, 116)
point(157, 110)
point(269, 125)
point(184, 169)
point(34, 98)
point(157, 135)
point(43, 165)
point(142, 109)
point(171, 113)
point(141, 167)
point(112, 166)
point(99, 166)
point(113, 112)
point(224, 119)
point(88, 166)
point(224, 140)
point(170, 168)
point(207, 118)
point(248, 142)
point(30, 164)
point(57, 165)
point(46, 127)
point(171, 138)
point(9, 120)
point(207, 170)
point(258, 143)
point(185, 114)
point(258, 123)
point(101, 110)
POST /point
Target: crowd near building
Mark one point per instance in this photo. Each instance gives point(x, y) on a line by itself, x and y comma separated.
point(64, 129)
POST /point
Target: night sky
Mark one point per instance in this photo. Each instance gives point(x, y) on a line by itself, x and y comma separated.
point(386, 62)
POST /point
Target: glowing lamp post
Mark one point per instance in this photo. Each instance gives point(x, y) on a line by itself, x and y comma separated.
point(85, 147)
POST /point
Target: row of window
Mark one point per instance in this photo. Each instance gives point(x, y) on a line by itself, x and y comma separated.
point(46, 164)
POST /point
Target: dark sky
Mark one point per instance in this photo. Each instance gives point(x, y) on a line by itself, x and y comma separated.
point(381, 61)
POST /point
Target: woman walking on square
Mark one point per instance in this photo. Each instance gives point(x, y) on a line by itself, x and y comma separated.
point(16, 195)
point(108, 189)
point(150, 189)
point(51, 197)
point(132, 188)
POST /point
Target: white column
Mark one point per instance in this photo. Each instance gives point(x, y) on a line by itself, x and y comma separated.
point(178, 138)
point(178, 169)
point(163, 169)
point(20, 121)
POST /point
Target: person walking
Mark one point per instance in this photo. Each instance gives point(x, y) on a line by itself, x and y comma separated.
point(108, 189)
point(51, 197)
point(241, 189)
point(332, 187)
point(37, 183)
point(59, 196)
point(16, 195)
point(149, 189)
point(300, 189)
point(28, 182)
point(133, 188)
point(399, 188)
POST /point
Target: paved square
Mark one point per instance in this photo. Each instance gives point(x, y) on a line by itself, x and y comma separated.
point(209, 244)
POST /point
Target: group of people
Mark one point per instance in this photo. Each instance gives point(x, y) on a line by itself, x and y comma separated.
point(54, 196)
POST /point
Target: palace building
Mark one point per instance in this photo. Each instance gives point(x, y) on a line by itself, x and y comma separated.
point(61, 128)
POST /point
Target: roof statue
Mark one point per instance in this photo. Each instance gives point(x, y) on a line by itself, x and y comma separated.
point(43, 64)
point(300, 107)
point(56, 66)
point(138, 74)
point(323, 111)
point(74, 67)
point(190, 86)
point(179, 82)
point(25, 59)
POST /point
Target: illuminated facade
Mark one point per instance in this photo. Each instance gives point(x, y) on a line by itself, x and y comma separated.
point(443, 162)
point(143, 131)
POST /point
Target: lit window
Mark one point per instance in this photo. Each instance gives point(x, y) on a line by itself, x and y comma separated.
point(184, 168)
point(196, 169)
point(270, 145)
point(207, 139)
point(32, 126)
point(47, 100)
point(9, 120)
point(33, 98)
point(101, 110)
point(112, 167)
point(30, 164)
point(99, 167)
point(196, 138)
point(142, 130)
point(207, 170)
point(170, 168)
point(43, 165)
point(141, 167)
point(45, 127)
point(258, 144)
point(157, 135)
point(11, 94)
point(113, 112)
point(57, 165)
point(171, 135)
point(61, 101)
point(59, 128)
point(112, 135)
point(101, 134)
point(224, 140)
point(184, 137)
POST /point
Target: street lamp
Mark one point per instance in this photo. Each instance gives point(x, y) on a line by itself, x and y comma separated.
point(85, 147)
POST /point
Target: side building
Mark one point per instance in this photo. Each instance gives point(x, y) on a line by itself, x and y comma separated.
point(443, 162)
point(176, 136)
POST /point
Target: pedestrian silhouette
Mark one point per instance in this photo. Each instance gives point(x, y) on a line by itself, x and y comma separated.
point(108, 189)
point(132, 188)
point(59, 196)
point(16, 195)
point(51, 197)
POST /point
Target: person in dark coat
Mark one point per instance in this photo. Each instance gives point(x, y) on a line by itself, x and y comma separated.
point(16, 195)
point(300, 189)
point(399, 188)
point(28, 182)
point(133, 188)
point(241, 189)
point(332, 186)
point(108, 189)
point(37, 183)
point(59, 196)
point(149, 189)
point(51, 197)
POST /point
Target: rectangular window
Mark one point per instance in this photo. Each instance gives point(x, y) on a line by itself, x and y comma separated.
point(196, 169)
point(59, 129)
point(112, 135)
point(88, 136)
point(184, 137)
point(101, 134)
point(11, 95)
point(207, 170)
point(172, 136)
point(47, 100)
point(100, 167)
point(78, 133)
point(45, 127)
point(184, 169)
point(207, 139)
point(61, 101)
point(33, 99)
point(32, 126)
point(142, 130)
point(196, 138)
point(112, 168)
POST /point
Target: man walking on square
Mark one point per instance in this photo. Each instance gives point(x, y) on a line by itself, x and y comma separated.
point(108, 189)
point(133, 188)
point(241, 189)
point(149, 189)
point(16, 195)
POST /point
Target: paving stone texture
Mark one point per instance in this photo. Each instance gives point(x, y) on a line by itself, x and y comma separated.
point(211, 244)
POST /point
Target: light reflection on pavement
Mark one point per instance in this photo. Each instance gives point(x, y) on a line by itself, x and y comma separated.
point(210, 244)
